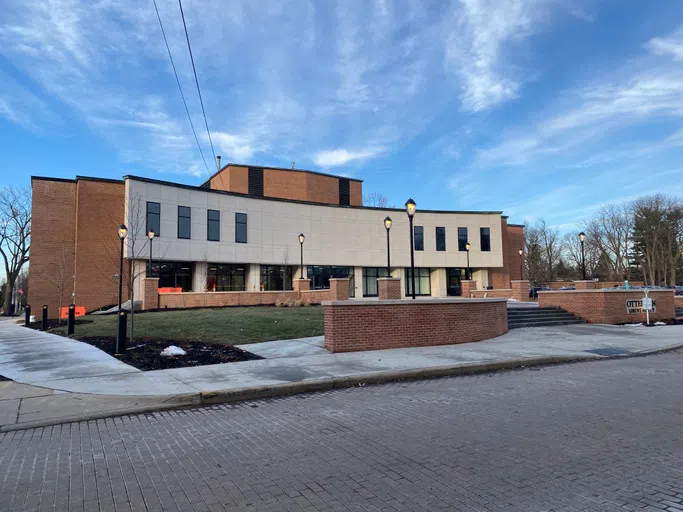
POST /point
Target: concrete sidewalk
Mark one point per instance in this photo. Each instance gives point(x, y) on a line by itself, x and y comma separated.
point(293, 366)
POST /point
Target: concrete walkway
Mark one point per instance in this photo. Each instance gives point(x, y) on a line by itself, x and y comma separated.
point(53, 362)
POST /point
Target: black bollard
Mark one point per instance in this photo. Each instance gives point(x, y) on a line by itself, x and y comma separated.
point(121, 332)
point(43, 324)
point(27, 315)
point(71, 322)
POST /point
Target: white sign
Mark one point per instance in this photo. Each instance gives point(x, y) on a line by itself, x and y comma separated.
point(638, 306)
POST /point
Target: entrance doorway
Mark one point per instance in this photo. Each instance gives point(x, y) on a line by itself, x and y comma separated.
point(453, 278)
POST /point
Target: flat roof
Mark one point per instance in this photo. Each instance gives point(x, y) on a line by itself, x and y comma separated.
point(275, 168)
point(78, 178)
point(296, 201)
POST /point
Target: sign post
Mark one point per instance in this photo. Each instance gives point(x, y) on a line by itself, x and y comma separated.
point(647, 306)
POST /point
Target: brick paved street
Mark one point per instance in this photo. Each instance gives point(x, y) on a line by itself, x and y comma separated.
point(591, 436)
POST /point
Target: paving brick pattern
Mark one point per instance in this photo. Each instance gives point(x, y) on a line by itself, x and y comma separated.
point(593, 436)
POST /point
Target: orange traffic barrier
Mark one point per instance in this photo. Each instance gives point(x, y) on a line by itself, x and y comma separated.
point(64, 312)
point(170, 290)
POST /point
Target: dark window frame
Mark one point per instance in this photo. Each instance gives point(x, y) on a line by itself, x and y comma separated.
point(321, 274)
point(209, 222)
point(440, 232)
point(370, 276)
point(226, 277)
point(485, 239)
point(149, 214)
point(418, 283)
point(462, 241)
point(238, 223)
point(419, 240)
point(189, 222)
point(270, 273)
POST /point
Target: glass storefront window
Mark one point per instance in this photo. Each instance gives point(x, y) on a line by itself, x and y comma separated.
point(223, 277)
point(422, 282)
point(172, 274)
point(370, 275)
point(320, 276)
point(276, 277)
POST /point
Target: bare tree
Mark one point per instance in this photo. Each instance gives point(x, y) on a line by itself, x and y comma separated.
point(550, 246)
point(610, 232)
point(285, 265)
point(15, 236)
point(136, 242)
point(376, 200)
point(62, 277)
point(571, 248)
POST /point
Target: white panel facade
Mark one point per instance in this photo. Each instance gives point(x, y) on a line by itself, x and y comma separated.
point(334, 235)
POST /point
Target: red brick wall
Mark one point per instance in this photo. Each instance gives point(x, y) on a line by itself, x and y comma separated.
point(608, 307)
point(99, 212)
point(339, 288)
point(53, 235)
point(150, 293)
point(322, 189)
point(504, 293)
point(285, 184)
point(356, 190)
point(216, 299)
point(233, 178)
point(358, 325)
point(389, 288)
point(520, 290)
point(467, 287)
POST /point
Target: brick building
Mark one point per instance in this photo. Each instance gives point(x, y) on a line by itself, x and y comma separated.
point(239, 230)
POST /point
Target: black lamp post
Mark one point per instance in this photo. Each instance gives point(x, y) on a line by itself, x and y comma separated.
point(121, 336)
point(410, 210)
point(467, 248)
point(521, 264)
point(387, 226)
point(150, 235)
point(301, 242)
point(582, 238)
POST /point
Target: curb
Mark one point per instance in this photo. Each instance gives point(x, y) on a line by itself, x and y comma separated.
point(205, 398)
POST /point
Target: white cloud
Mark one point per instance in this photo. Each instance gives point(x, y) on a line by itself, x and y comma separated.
point(342, 156)
point(671, 45)
point(233, 147)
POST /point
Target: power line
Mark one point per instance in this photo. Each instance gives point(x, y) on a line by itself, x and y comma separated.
point(196, 80)
point(180, 88)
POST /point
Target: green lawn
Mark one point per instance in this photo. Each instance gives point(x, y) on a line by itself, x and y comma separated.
point(214, 325)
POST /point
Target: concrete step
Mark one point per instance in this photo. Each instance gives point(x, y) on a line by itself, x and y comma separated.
point(545, 318)
point(544, 324)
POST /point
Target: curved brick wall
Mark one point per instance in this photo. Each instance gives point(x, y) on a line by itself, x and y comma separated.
point(366, 325)
point(608, 306)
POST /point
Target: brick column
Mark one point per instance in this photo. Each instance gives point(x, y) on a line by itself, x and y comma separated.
point(520, 290)
point(467, 286)
point(587, 285)
point(339, 288)
point(150, 293)
point(301, 285)
point(389, 288)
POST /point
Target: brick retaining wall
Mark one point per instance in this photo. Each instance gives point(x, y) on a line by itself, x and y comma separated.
point(608, 306)
point(500, 293)
point(365, 325)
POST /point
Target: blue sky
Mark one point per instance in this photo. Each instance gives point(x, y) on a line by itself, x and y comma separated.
point(539, 108)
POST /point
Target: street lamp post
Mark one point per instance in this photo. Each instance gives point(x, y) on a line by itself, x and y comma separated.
point(387, 226)
point(120, 336)
point(301, 243)
point(150, 235)
point(582, 238)
point(410, 210)
point(467, 248)
point(521, 264)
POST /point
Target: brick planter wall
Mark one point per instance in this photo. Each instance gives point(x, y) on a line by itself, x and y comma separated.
point(466, 287)
point(150, 293)
point(492, 294)
point(608, 306)
point(389, 288)
point(360, 325)
point(520, 290)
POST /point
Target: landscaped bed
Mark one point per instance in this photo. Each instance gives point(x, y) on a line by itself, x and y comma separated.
point(207, 335)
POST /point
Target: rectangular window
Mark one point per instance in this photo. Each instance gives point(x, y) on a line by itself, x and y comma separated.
point(276, 277)
point(485, 239)
point(241, 228)
point(419, 238)
point(440, 239)
point(184, 222)
point(226, 278)
point(422, 282)
point(344, 192)
point(370, 275)
point(462, 239)
point(172, 274)
point(320, 276)
point(153, 217)
point(255, 183)
point(213, 225)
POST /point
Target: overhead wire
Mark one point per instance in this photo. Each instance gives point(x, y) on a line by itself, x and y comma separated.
point(175, 72)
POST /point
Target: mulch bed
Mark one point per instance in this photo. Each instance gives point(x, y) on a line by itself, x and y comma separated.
point(146, 354)
point(53, 322)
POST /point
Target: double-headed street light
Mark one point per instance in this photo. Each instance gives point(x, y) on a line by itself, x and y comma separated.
point(301, 242)
point(467, 248)
point(387, 226)
point(410, 210)
point(521, 263)
point(582, 238)
point(120, 331)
